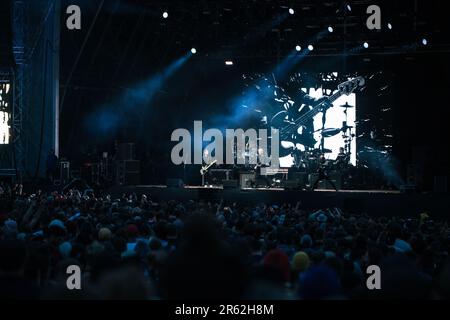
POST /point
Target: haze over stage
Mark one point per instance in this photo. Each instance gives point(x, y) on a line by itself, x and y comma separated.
point(224, 150)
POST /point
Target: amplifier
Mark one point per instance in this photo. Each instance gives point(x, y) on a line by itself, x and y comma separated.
point(230, 184)
point(64, 171)
point(125, 151)
point(128, 172)
point(292, 185)
point(131, 165)
point(246, 179)
point(440, 184)
point(132, 178)
point(174, 183)
point(301, 177)
point(414, 175)
point(408, 188)
point(336, 177)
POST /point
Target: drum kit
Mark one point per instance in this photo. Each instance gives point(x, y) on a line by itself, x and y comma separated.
point(311, 160)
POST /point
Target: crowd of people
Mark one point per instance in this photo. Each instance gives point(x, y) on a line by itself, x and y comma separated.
point(137, 247)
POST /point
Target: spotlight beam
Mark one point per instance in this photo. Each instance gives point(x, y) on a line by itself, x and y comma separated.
point(110, 117)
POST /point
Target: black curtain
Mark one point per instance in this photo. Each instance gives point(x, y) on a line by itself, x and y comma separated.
point(6, 34)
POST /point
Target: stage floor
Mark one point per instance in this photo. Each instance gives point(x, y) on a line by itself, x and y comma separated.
point(283, 190)
point(373, 202)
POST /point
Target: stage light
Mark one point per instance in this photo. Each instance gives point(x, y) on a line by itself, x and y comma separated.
point(330, 29)
point(229, 63)
point(291, 11)
point(424, 41)
point(193, 51)
point(390, 26)
point(349, 8)
point(298, 48)
point(366, 45)
point(310, 47)
point(165, 14)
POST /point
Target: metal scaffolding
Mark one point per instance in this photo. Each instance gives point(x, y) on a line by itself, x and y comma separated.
point(19, 146)
point(36, 53)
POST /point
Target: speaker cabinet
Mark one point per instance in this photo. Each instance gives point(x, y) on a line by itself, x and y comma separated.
point(440, 184)
point(230, 184)
point(64, 171)
point(292, 185)
point(125, 151)
point(246, 179)
point(174, 183)
point(128, 172)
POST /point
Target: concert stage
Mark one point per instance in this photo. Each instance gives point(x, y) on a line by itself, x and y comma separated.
point(372, 202)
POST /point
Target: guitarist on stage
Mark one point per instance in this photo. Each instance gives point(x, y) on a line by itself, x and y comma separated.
point(206, 175)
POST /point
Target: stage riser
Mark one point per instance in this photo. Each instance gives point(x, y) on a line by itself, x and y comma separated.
point(372, 203)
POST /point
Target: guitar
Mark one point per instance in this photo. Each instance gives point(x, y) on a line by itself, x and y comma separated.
point(258, 165)
point(289, 128)
point(205, 169)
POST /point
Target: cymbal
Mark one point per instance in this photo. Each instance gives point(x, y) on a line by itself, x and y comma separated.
point(327, 133)
point(319, 151)
point(347, 106)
